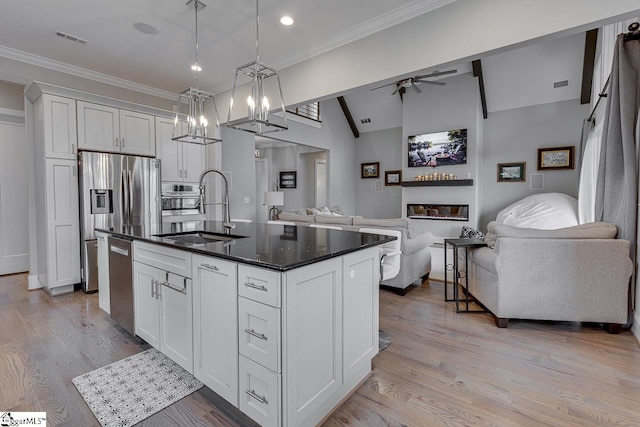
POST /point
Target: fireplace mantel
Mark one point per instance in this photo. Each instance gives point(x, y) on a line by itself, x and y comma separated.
point(441, 183)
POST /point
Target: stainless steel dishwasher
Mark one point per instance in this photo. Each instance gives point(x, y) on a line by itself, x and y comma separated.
point(121, 282)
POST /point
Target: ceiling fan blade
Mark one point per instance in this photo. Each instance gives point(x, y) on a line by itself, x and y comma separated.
point(416, 88)
point(396, 91)
point(436, 74)
point(429, 82)
point(380, 87)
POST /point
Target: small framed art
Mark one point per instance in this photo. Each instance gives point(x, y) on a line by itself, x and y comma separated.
point(555, 158)
point(512, 172)
point(288, 179)
point(370, 170)
point(393, 177)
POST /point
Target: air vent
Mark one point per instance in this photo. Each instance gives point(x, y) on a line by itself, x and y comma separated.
point(561, 83)
point(70, 37)
point(367, 120)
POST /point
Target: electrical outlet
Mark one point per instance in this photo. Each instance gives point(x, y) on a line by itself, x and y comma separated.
point(247, 200)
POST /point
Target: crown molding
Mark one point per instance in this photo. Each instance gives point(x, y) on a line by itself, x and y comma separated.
point(374, 25)
point(51, 64)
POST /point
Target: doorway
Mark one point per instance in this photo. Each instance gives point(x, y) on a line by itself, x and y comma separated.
point(320, 183)
point(14, 226)
point(262, 185)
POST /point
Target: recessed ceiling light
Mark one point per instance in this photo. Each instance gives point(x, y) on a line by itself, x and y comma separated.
point(195, 67)
point(286, 20)
point(145, 28)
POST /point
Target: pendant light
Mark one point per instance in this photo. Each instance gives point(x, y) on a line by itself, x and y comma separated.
point(201, 111)
point(264, 82)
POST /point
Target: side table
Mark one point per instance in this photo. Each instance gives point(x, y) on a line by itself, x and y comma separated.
point(458, 274)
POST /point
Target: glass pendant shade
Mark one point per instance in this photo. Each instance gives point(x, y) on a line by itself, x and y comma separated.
point(263, 84)
point(196, 107)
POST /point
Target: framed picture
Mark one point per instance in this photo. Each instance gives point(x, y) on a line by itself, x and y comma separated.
point(512, 172)
point(393, 177)
point(288, 179)
point(555, 158)
point(370, 170)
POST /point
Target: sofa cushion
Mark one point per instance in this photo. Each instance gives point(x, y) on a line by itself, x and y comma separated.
point(543, 211)
point(396, 222)
point(301, 211)
point(592, 230)
point(326, 219)
point(284, 216)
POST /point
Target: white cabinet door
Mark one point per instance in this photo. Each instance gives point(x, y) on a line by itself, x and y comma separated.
point(60, 134)
point(360, 308)
point(98, 127)
point(215, 325)
point(176, 321)
point(193, 161)
point(62, 222)
point(103, 272)
point(312, 335)
point(137, 133)
point(146, 307)
point(170, 151)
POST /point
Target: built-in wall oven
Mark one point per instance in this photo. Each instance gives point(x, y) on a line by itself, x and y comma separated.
point(179, 199)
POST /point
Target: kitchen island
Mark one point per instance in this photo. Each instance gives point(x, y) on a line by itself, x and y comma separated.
point(281, 321)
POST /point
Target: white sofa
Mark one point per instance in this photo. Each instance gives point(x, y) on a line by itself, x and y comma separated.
point(578, 273)
point(415, 261)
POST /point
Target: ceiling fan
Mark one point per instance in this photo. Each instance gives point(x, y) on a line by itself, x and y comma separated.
point(414, 81)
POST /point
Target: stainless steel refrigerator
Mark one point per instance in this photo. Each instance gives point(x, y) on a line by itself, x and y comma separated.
point(115, 190)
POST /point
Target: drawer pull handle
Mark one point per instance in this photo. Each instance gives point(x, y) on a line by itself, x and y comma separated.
point(175, 288)
point(260, 399)
point(254, 286)
point(256, 334)
point(153, 291)
point(209, 266)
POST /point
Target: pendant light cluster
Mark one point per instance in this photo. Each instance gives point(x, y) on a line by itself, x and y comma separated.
point(259, 119)
point(261, 82)
point(200, 106)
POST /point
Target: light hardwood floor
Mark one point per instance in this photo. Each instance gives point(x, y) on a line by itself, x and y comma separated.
point(442, 368)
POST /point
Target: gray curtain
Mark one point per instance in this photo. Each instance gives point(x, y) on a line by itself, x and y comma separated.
point(617, 188)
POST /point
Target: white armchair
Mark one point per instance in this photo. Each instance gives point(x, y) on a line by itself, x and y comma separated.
point(578, 274)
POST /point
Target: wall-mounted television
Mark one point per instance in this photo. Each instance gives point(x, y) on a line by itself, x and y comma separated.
point(438, 148)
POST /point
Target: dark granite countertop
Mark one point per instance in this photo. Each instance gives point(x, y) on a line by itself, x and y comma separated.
point(276, 247)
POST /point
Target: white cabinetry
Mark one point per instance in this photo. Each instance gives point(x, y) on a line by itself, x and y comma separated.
point(181, 161)
point(60, 255)
point(103, 272)
point(59, 123)
point(105, 128)
point(163, 301)
point(215, 325)
point(260, 344)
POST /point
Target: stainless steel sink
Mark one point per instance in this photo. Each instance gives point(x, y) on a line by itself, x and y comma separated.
point(198, 237)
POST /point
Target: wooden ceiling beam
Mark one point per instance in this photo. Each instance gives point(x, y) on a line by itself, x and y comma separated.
point(590, 41)
point(347, 115)
point(477, 72)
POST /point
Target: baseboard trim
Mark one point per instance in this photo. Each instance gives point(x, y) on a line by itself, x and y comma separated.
point(635, 328)
point(33, 282)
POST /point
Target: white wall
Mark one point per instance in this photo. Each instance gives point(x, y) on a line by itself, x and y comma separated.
point(384, 146)
point(515, 136)
point(442, 108)
point(334, 135)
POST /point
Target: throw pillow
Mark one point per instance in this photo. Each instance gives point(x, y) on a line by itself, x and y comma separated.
point(471, 233)
point(545, 211)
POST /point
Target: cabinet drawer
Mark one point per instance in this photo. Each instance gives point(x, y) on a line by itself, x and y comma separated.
point(259, 285)
point(259, 393)
point(259, 333)
point(167, 259)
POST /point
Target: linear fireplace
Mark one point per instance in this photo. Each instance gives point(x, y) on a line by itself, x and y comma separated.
point(438, 212)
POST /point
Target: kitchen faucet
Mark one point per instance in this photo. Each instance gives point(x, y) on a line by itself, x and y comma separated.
point(226, 221)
